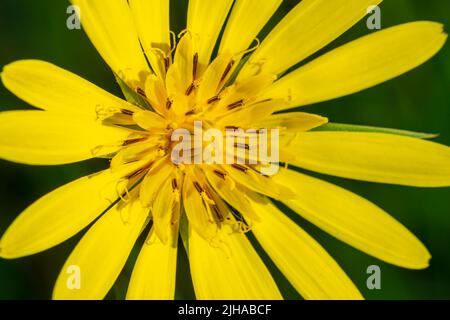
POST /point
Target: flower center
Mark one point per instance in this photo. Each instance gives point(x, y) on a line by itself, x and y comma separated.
point(196, 139)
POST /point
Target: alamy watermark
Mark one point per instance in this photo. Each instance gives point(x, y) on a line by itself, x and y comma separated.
point(73, 22)
point(74, 277)
point(230, 146)
point(374, 280)
point(374, 20)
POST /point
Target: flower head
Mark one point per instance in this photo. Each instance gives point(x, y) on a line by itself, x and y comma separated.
point(160, 176)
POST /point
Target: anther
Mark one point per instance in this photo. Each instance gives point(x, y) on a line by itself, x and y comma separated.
point(141, 92)
point(240, 167)
point(166, 63)
point(127, 112)
point(198, 187)
point(227, 70)
point(132, 141)
point(220, 174)
point(138, 172)
point(236, 104)
point(213, 99)
point(174, 184)
point(217, 213)
point(190, 113)
point(169, 104)
point(190, 89)
point(195, 63)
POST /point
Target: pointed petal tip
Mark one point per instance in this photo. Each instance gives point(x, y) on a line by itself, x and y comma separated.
point(423, 262)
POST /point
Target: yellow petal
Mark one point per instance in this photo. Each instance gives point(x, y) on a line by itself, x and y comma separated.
point(375, 157)
point(181, 74)
point(112, 31)
point(166, 209)
point(244, 25)
point(234, 195)
point(251, 115)
point(152, 22)
point(309, 27)
point(228, 270)
point(45, 138)
point(196, 210)
point(361, 64)
point(205, 20)
point(213, 79)
point(307, 266)
point(60, 214)
point(354, 220)
point(152, 182)
point(292, 121)
point(51, 88)
point(101, 253)
point(259, 183)
point(149, 120)
point(154, 274)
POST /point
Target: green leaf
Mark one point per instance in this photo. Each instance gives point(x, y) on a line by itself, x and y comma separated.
point(132, 96)
point(357, 128)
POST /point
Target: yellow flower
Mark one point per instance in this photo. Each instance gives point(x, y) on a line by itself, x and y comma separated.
point(177, 82)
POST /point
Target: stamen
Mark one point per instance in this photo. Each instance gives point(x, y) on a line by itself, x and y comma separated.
point(220, 174)
point(166, 63)
point(213, 99)
point(227, 70)
point(190, 89)
point(198, 187)
point(195, 62)
point(174, 184)
point(169, 103)
point(132, 141)
point(240, 167)
point(218, 213)
point(236, 104)
point(141, 92)
point(232, 128)
point(127, 112)
point(140, 171)
point(251, 49)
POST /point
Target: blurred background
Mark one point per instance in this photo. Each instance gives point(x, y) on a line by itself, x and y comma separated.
point(419, 100)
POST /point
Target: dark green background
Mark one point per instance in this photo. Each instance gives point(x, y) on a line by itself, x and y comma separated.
point(417, 101)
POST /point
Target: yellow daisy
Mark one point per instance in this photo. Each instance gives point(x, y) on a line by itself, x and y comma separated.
point(171, 82)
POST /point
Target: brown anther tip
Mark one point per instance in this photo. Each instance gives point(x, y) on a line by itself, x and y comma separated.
point(127, 112)
point(166, 63)
point(174, 184)
point(169, 104)
point(240, 167)
point(227, 70)
point(195, 65)
point(220, 174)
point(236, 104)
point(198, 187)
point(213, 99)
point(190, 89)
point(141, 92)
